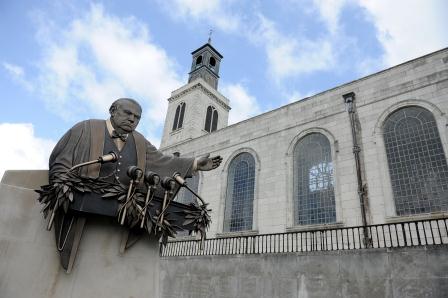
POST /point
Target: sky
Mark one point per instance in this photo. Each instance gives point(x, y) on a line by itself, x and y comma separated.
point(66, 61)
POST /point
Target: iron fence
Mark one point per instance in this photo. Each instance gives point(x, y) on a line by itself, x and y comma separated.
point(402, 234)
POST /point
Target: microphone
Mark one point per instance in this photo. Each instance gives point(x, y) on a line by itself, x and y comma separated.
point(152, 178)
point(178, 177)
point(110, 157)
point(135, 173)
point(168, 183)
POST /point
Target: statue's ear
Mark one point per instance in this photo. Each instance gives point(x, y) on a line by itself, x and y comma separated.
point(112, 110)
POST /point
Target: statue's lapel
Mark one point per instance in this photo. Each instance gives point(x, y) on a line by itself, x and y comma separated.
point(97, 133)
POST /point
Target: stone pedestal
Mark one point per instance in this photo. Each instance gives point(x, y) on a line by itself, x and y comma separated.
point(29, 261)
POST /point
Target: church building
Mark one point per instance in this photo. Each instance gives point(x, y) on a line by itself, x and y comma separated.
point(371, 151)
point(340, 194)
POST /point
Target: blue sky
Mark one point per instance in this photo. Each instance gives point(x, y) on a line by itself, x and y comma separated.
point(65, 61)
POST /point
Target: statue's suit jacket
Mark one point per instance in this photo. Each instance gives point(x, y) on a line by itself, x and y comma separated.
point(85, 142)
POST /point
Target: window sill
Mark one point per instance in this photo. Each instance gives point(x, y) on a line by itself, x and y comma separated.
point(176, 131)
point(204, 131)
point(415, 217)
point(315, 227)
point(237, 234)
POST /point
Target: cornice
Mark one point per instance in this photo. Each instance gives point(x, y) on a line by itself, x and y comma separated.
point(200, 86)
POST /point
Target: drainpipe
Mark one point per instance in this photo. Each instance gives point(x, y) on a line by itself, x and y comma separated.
point(349, 100)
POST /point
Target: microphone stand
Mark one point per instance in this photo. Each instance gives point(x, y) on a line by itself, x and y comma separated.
point(167, 183)
point(135, 174)
point(151, 180)
point(110, 157)
point(128, 196)
point(181, 181)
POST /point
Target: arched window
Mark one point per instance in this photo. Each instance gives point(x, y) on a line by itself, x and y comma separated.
point(313, 181)
point(215, 120)
point(417, 163)
point(238, 212)
point(212, 62)
point(198, 61)
point(179, 116)
point(211, 119)
point(185, 196)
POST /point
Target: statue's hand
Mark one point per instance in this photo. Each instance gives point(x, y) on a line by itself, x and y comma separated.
point(206, 163)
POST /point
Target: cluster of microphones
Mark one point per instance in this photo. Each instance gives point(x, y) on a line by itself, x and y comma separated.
point(151, 180)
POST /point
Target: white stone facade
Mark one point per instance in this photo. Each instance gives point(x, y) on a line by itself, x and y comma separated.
point(197, 96)
point(270, 138)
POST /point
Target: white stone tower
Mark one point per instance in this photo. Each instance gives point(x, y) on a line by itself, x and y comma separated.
point(197, 108)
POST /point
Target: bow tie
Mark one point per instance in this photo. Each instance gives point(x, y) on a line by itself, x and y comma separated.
point(121, 136)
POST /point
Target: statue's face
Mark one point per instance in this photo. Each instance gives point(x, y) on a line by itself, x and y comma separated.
point(125, 117)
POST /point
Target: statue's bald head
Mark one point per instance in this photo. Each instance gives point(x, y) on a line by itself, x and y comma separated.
point(125, 114)
point(120, 101)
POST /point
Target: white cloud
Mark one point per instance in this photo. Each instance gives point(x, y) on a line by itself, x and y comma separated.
point(215, 12)
point(408, 28)
point(99, 58)
point(14, 70)
point(18, 74)
point(243, 104)
point(25, 151)
point(329, 11)
point(288, 56)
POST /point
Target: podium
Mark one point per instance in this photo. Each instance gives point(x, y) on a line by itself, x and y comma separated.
point(70, 200)
point(29, 261)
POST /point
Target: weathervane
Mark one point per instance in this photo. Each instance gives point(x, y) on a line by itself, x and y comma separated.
point(210, 36)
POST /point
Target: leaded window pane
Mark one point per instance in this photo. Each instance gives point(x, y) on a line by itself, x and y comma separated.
point(215, 120)
point(240, 193)
point(181, 117)
point(208, 118)
point(176, 118)
point(417, 162)
point(313, 181)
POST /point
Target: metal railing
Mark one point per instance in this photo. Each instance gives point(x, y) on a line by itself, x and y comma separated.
point(402, 234)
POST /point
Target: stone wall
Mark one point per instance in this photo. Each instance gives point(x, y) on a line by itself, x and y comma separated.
point(399, 272)
point(29, 261)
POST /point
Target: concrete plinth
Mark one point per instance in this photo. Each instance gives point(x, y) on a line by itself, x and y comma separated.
point(29, 261)
point(371, 273)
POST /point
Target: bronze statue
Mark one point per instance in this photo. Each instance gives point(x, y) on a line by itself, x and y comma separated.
point(99, 167)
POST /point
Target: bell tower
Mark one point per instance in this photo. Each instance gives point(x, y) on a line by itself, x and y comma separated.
point(205, 65)
point(197, 108)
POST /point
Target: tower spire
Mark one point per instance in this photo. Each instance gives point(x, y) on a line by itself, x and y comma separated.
point(210, 36)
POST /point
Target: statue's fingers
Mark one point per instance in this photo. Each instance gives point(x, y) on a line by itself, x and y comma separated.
point(217, 159)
